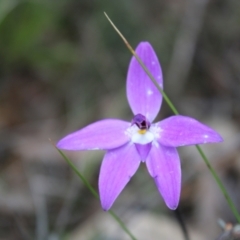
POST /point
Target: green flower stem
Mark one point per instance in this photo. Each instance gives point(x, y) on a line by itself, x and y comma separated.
point(74, 168)
point(95, 194)
point(144, 67)
point(219, 183)
point(123, 226)
point(172, 107)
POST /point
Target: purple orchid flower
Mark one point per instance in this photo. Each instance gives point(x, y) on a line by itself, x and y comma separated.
point(130, 143)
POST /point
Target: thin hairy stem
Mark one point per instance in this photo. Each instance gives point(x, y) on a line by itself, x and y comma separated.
point(219, 183)
point(95, 194)
point(144, 67)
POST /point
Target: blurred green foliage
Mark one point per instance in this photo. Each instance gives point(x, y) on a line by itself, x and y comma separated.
point(30, 36)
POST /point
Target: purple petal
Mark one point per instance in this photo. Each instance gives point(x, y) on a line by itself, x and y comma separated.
point(105, 134)
point(143, 150)
point(118, 166)
point(163, 164)
point(179, 131)
point(143, 96)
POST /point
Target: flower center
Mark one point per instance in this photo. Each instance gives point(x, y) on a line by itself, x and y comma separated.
point(140, 130)
point(141, 122)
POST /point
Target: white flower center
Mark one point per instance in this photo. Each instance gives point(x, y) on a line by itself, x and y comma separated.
point(144, 136)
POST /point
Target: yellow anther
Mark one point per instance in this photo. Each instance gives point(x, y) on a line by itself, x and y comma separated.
point(142, 131)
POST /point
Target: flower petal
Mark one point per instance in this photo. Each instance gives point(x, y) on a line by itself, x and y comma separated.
point(180, 131)
point(105, 134)
point(143, 96)
point(118, 166)
point(143, 150)
point(163, 164)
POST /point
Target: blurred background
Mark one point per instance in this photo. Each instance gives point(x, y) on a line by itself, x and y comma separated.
point(62, 66)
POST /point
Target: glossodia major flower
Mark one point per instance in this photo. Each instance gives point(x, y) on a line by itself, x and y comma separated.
point(127, 144)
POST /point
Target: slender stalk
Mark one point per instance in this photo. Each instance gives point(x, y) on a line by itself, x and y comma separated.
point(219, 182)
point(173, 108)
point(95, 194)
point(74, 168)
point(120, 222)
point(144, 67)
